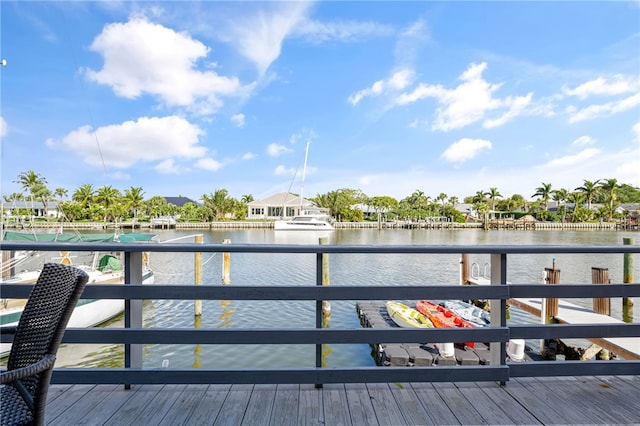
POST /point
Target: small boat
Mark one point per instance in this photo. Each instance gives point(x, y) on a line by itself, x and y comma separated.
point(443, 317)
point(305, 222)
point(469, 312)
point(407, 317)
point(104, 269)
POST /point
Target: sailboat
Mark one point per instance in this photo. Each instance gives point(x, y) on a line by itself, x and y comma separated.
point(308, 218)
point(105, 268)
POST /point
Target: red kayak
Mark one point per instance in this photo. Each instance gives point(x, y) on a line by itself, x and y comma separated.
point(443, 317)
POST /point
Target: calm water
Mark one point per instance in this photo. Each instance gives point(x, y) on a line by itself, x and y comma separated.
point(347, 269)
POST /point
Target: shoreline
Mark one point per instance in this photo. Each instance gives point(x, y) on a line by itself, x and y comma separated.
point(492, 225)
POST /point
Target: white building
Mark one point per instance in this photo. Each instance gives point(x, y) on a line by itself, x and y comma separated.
point(277, 206)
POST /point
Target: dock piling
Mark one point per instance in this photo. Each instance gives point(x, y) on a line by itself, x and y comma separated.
point(226, 264)
point(601, 305)
point(628, 270)
point(197, 274)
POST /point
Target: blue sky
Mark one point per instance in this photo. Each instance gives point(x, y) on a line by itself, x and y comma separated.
point(184, 98)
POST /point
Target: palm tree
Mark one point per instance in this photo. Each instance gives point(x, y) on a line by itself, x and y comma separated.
point(493, 195)
point(544, 192)
point(219, 202)
point(108, 197)
point(609, 186)
point(246, 198)
point(590, 190)
point(30, 181)
point(134, 197)
point(84, 195)
point(559, 196)
point(442, 197)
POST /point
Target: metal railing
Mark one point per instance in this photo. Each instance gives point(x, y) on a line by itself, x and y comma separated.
point(133, 335)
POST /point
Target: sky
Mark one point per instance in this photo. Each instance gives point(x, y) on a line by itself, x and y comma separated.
point(186, 98)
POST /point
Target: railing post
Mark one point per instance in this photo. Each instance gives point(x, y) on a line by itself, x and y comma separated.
point(132, 310)
point(319, 316)
point(498, 350)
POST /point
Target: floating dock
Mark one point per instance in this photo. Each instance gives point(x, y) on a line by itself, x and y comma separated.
point(374, 315)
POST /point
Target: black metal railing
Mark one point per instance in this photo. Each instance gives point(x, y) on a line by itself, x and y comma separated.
point(134, 336)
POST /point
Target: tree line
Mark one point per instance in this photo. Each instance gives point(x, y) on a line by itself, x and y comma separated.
point(107, 203)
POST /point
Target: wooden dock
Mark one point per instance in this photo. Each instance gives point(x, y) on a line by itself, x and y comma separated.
point(569, 313)
point(531, 401)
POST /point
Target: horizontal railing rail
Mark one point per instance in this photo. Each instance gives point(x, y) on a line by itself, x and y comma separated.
point(133, 335)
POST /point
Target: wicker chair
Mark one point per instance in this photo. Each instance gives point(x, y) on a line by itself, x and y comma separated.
point(25, 383)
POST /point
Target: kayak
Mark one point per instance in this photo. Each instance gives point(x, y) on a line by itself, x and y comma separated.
point(469, 312)
point(442, 317)
point(407, 317)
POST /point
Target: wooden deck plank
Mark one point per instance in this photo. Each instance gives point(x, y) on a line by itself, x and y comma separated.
point(153, 414)
point(559, 396)
point(310, 406)
point(88, 403)
point(336, 411)
point(208, 408)
point(260, 405)
point(550, 400)
point(413, 412)
point(491, 412)
point(460, 406)
point(384, 404)
point(430, 399)
point(62, 403)
point(234, 405)
point(285, 407)
point(360, 404)
point(592, 400)
point(184, 405)
point(137, 401)
point(511, 407)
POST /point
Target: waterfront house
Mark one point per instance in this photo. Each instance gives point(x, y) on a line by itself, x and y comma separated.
point(276, 206)
point(18, 209)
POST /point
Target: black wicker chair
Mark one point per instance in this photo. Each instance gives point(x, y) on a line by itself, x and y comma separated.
point(25, 383)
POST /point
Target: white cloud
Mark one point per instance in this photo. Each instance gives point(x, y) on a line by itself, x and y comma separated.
point(399, 80)
point(284, 171)
point(141, 57)
point(616, 85)
point(469, 102)
point(516, 107)
point(319, 32)
point(209, 164)
point(636, 131)
point(248, 156)
point(238, 120)
point(465, 149)
point(147, 139)
point(603, 110)
point(572, 160)
point(276, 149)
point(258, 35)
point(3, 127)
point(168, 166)
point(583, 140)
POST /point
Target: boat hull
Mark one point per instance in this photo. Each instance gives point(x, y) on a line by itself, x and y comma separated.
point(407, 317)
point(443, 317)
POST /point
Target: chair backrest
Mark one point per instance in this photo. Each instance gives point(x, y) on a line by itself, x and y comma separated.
point(44, 320)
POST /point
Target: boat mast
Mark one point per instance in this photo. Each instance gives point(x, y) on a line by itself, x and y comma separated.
point(304, 172)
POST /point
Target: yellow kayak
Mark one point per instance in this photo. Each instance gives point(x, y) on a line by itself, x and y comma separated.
point(407, 317)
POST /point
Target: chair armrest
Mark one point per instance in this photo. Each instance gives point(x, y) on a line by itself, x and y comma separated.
point(20, 373)
point(8, 329)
